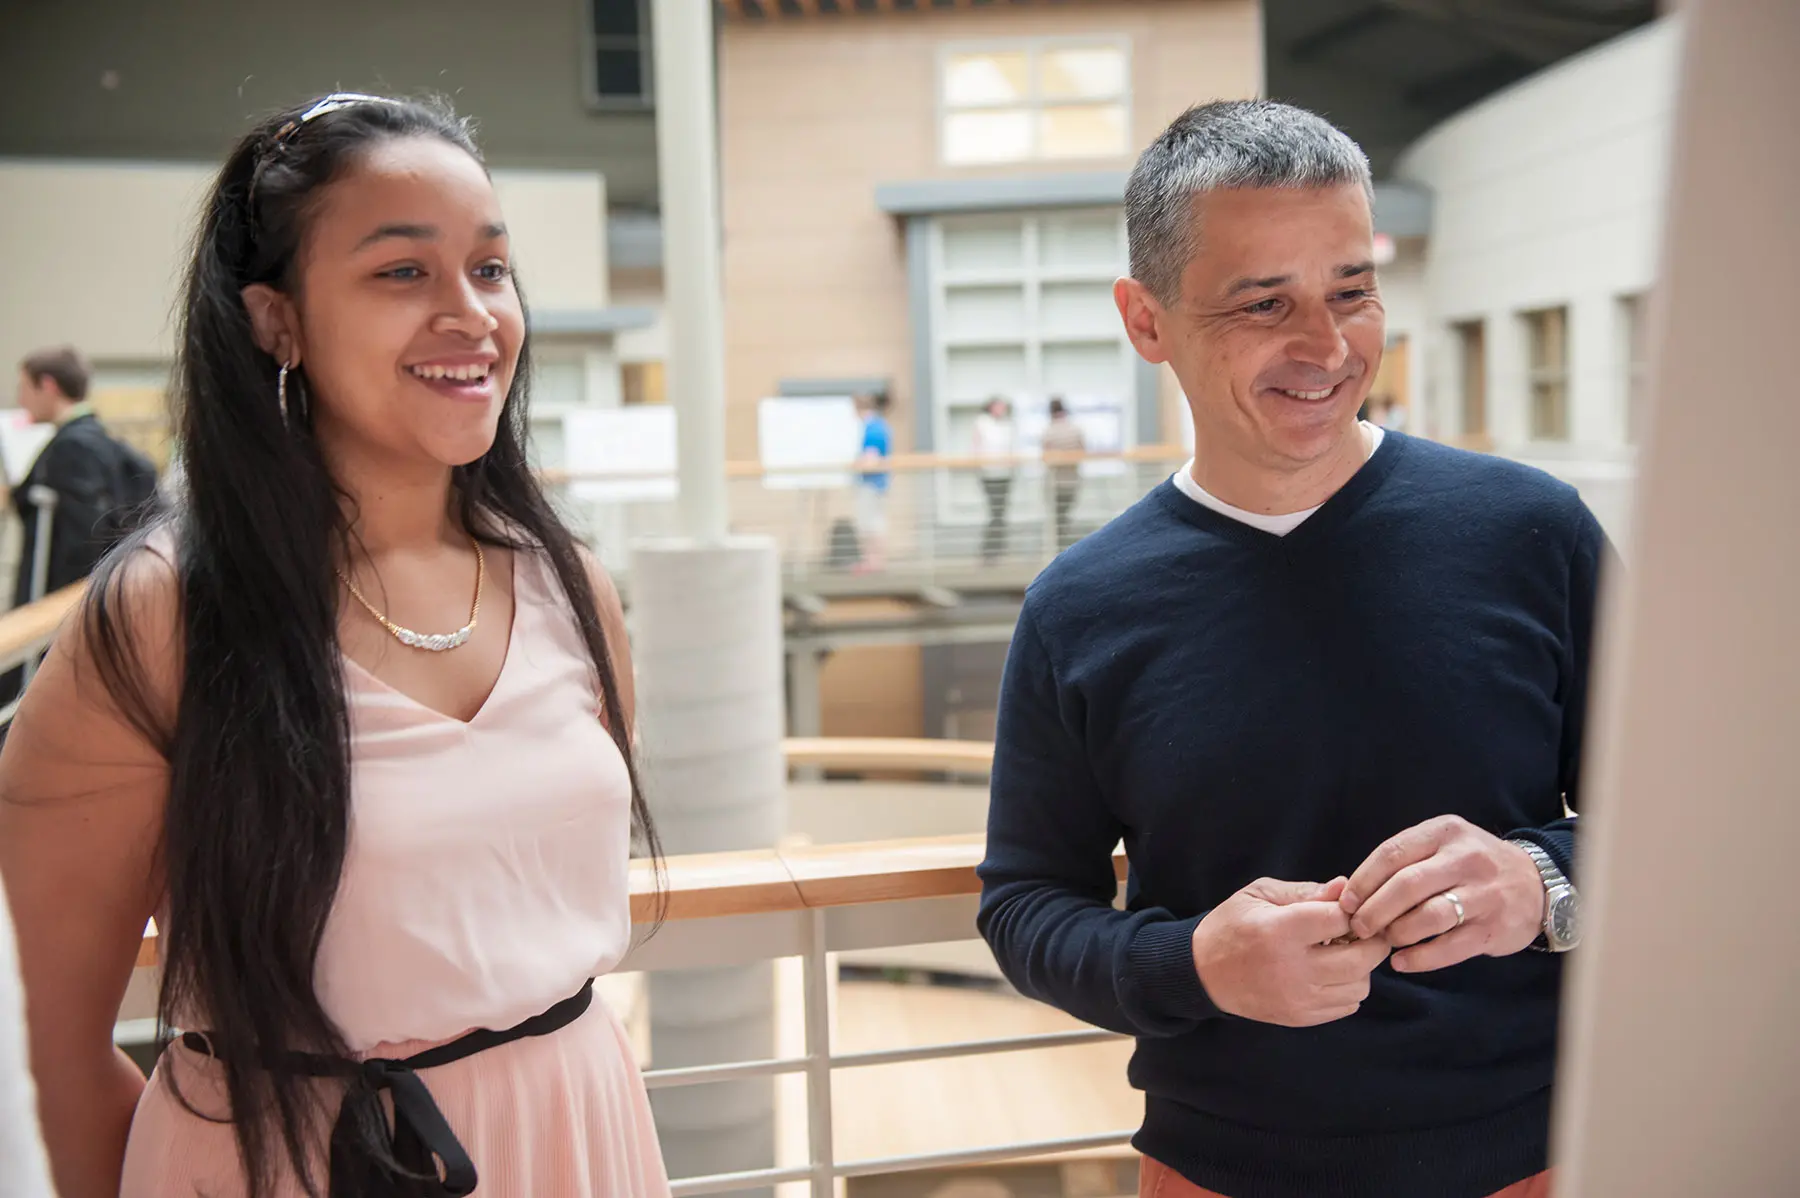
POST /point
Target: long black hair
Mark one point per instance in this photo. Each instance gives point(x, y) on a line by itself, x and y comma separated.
point(259, 747)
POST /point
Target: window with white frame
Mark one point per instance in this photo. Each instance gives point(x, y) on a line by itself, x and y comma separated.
point(1547, 339)
point(1038, 99)
point(1022, 308)
point(618, 53)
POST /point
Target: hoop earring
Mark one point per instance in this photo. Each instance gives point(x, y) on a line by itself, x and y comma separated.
point(281, 392)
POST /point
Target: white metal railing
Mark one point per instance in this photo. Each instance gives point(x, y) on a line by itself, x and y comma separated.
point(926, 895)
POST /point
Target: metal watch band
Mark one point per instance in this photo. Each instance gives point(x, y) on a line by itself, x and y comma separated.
point(1552, 877)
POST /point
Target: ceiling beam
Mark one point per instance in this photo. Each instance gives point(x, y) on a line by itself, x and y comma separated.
point(1541, 33)
point(1315, 45)
point(1447, 92)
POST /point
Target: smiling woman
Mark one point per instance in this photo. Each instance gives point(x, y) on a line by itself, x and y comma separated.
point(351, 856)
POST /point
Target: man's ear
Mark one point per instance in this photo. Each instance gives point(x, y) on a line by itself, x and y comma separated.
point(275, 322)
point(1144, 317)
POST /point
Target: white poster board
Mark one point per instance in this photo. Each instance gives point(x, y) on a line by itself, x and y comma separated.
point(20, 443)
point(796, 434)
point(636, 443)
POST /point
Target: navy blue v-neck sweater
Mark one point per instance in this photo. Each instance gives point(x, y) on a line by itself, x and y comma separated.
point(1235, 705)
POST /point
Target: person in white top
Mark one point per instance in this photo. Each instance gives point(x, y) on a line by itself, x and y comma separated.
point(994, 441)
point(24, 1173)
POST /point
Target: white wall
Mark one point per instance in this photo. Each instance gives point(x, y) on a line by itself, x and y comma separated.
point(1404, 297)
point(94, 251)
point(1551, 193)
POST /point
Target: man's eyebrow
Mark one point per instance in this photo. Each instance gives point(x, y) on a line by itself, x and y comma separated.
point(1263, 284)
point(1354, 269)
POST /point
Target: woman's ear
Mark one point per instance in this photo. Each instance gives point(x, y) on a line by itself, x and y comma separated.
point(275, 322)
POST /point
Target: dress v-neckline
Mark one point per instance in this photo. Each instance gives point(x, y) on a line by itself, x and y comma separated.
point(506, 662)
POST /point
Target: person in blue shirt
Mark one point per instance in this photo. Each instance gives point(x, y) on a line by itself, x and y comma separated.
point(1328, 685)
point(872, 487)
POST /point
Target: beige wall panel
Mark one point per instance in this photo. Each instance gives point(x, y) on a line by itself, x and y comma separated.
point(815, 114)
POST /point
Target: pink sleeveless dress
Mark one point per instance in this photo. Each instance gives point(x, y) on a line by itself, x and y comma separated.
point(486, 880)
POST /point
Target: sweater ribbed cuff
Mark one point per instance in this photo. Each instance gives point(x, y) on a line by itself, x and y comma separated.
point(1160, 972)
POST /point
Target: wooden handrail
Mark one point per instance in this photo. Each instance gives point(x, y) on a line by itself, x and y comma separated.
point(890, 753)
point(23, 627)
point(768, 881)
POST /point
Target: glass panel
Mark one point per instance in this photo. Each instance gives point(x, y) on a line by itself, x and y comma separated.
point(984, 245)
point(642, 383)
point(1089, 131)
point(615, 18)
point(1003, 135)
point(1082, 72)
point(1079, 240)
point(971, 312)
point(1549, 346)
point(975, 373)
point(1077, 309)
point(1474, 378)
point(987, 77)
point(1631, 312)
point(1087, 370)
point(1549, 411)
point(619, 73)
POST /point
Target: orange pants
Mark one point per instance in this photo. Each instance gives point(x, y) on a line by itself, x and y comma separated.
point(1157, 1180)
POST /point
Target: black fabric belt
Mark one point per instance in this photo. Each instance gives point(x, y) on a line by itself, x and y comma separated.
point(420, 1139)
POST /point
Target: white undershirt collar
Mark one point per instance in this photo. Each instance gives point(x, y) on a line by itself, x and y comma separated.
point(1280, 525)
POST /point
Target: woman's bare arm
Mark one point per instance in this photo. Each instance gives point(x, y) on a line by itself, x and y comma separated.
point(82, 793)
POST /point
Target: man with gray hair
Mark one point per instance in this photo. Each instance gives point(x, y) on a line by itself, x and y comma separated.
point(1327, 685)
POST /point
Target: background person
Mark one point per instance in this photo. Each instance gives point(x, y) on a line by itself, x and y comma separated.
point(102, 486)
point(1063, 435)
point(1328, 685)
point(360, 841)
point(98, 480)
point(995, 443)
point(872, 485)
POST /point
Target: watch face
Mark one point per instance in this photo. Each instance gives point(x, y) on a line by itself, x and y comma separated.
point(1564, 924)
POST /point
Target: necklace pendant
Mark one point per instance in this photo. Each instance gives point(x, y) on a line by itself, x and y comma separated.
point(434, 643)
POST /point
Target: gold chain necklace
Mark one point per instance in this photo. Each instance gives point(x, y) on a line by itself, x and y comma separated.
point(434, 642)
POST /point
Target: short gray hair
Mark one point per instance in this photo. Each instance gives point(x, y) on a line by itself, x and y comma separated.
point(1225, 144)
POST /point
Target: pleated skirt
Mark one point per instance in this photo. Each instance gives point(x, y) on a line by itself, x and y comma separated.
point(557, 1116)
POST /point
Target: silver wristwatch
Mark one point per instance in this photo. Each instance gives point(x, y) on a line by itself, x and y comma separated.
point(1562, 904)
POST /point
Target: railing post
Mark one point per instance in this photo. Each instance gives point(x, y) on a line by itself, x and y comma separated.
point(818, 1058)
point(44, 499)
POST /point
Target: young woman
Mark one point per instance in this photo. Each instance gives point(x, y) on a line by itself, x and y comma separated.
point(353, 723)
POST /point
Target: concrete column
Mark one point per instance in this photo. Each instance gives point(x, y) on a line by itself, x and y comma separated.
point(1680, 1042)
point(688, 187)
point(805, 715)
point(707, 615)
point(706, 632)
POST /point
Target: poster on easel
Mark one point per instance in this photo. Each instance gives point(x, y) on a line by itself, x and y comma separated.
point(21, 441)
point(801, 439)
point(635, 444)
